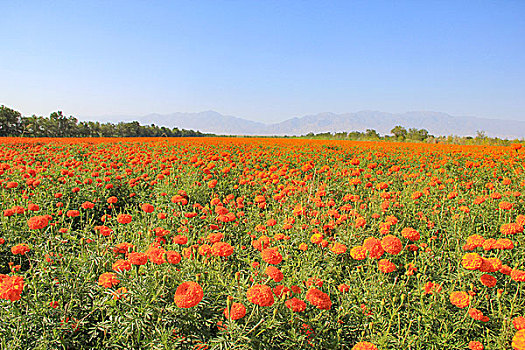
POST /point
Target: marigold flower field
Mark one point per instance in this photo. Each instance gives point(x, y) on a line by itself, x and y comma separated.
point(230, 243)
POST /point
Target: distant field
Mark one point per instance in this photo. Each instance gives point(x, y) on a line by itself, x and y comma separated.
point(231, 243)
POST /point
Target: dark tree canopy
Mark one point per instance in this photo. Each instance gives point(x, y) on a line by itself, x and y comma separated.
point(12, 123)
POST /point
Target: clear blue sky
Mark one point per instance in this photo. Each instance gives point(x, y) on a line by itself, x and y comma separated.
point(263, 60)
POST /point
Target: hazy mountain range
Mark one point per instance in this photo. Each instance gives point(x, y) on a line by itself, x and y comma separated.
point(436, 123)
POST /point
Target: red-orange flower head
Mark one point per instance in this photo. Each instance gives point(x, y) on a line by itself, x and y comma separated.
point(20, 249)
point(364, 345)
point(38, 222)
point(138, 258)
point(318, 299)
point(124, 218)
point(108, 280)
point(391, 244)
point(221, 249)
point(271, 256)
point(296, 305)
point(11, 287)
point(460, 299)
point(237, 311)
point(260, 294)
point(274, 273)
point(410, 234)
point(188, 294)
point(471, 261)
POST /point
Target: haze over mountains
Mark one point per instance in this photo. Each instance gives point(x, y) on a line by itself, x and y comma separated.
point(436, 123)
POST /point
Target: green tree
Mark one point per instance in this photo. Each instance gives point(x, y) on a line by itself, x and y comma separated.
point(10, 122)
point(399, 132)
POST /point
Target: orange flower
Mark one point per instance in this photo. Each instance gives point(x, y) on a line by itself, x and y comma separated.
point(124, 218)
point(260, 294)
point(517, 275)
point(38, 222)
point(391, 244)
point(121, 265)
point(386, 266)
point(318, 299)
point(108, 280)
point(471, 261)
point(460, 299)
point(475, 345)
point(221, 249)
point(374, 248)
point(488, 280)
point(338, 248)
point(274, 273)
point(518, 341)
point(519, 323)
point(358, 253)
point(296, 305)
point(237, 311)
point(271, 256)
point(188, 294)
point(138, 258)
point(364, 345)
point(21, 249)
point(410, 234)
point(11, 287)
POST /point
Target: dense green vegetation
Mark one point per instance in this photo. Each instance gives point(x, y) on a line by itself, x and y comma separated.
point(12, 123)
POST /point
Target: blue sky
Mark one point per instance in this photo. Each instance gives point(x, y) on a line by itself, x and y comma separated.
point(263, 60)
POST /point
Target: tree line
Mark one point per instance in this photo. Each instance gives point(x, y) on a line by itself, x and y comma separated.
point(12, 123)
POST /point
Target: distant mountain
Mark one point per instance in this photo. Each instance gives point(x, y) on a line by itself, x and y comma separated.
point(436, 123)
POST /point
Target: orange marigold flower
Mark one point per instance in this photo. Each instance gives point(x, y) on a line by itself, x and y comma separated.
point(21, 249)
point(391, 244)
point(147, 208)
point(221, 249)
point(260, 294)
point(519, 323)
point(410, 234)
point(475, 241)
point(173, 257)
point(471, 261)
point(11, 287)
point(318, 299)
point(38, 222)
point(477, 315)
point(108, 280)
point(475, 345)
point(460, 299)
point(505, 205)
point(271, 256)
point(124, 218)
point(274, 273)
point(511, 228)
point(374, 248)
point(490, 265)
point(138, 258)
point(358, 252)
point(237, 311)
point(343, 288)
point(338, 248)
point(386, 266)
point(364, 345)
point(518, 341)
point(296, 305)
point(180, 239)
point(121, 265)
point(72, 213)
point(517, 275)
point(88, 205)
point(188, 294)
point(488, 280)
